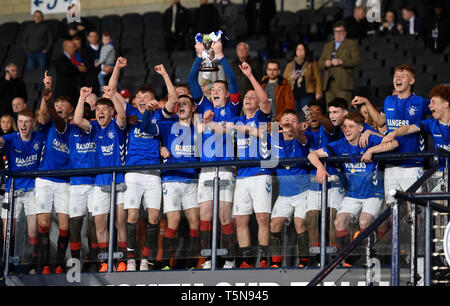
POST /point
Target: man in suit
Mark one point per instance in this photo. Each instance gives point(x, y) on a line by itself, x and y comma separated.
point(90, 53)
point(338, 60)
point(176, 24)
point(11, 86)
point(411, 24)
point(67, 74)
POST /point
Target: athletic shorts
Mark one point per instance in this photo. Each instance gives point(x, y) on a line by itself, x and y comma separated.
point(25, 201)
point(81, 198)
point(400, 178)
point(206, 194)
point(102, 201)
point(356, 206)
point(285, 206)
point(50, 194)
point(179, 196)
point(335, 196)
point(253, 194)
point(142, 188)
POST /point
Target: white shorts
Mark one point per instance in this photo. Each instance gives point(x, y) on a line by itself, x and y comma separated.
point(253, 193)
point(356, 206)
point(145, 188)
point(102, 201)
point(178, 196)
point(81, 198)
point(48, 194)
point(25, 201)
point(400, 178)
point(285, 206)
point(205, 193)
point(335, 196)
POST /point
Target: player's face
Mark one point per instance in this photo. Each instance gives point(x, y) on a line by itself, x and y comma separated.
point(185, 108)
point(62, 108)
point(289, 120)
point(352, 130)
point(336, 115)
point(25, 125)
point(402, 81)
point(438, 107)
point(103, 114)
point(219, 94)
point(314, 123)
point(143, 99)
point(181, 90)
point(251, 101)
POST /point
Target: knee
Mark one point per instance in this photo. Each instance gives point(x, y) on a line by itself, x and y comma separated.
point(276, 225)
point(340, 223)
point(133, 215)
point(262, 219)
point(364, 222)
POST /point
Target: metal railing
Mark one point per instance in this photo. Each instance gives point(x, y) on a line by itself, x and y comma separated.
point(422, 199)
point(234, 163)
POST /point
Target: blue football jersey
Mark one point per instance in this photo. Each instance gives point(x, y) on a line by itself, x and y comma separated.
point(364, 180)
point(82, 148)
point(142, 147)
point(22, 156)
point(110, 150)
point(292, 179)
point(250, 147)
point(225, 142)
point(440, 134)
point(55, 154)
point(180, 140)
point(401, 112)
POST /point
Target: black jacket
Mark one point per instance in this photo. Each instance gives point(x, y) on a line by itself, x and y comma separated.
point(182, 20)
point(10, 90)
point(67, 79)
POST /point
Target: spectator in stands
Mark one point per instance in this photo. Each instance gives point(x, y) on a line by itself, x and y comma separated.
point(338, 60)
point(304, 77)
point(259, 14)
point(357, 25)
point(37, 41)
point(106, 60)
point(90, 54)
point(11, 86)
point(389, 25)
point(437, 28)
point(7, 125)
point(206, 18)
point(411, 24)
point(278, 90)
point(242, 52)
point(229, 15)
point(176, 25)
point(67, 74)
point(18, 104)
point(78, 60)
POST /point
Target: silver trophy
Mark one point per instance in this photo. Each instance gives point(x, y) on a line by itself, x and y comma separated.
point(209, 61)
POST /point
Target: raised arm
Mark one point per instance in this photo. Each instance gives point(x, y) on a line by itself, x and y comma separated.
point(44, 116)
point(264, 104)
point(59, 122)
point(195, 88)
point(119, 103)
point(172, 98)
point(382, 147)
point(78, 118)
point(378, 118)
point(233, 86)
point(114, 80)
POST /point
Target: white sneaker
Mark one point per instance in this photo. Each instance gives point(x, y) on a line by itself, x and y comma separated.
point(144, 265)
point(206, 264)
point(131, 265)
point(229, 264)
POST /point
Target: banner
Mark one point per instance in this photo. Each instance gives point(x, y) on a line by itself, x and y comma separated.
point(53, 6)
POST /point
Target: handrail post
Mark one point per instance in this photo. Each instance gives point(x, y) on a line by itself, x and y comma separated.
point(112, 218)
point(395, 270)
point(427, 251)
point(413, 250)
point(9, 229)
point(324, 220)
point(215, 214)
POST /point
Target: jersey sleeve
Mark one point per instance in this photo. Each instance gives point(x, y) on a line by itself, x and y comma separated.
point(374, 140)
point(195, 88)
point(333, 148)
point(8, 138)
point(425, 108)
point(203, 105)
point(424, 126)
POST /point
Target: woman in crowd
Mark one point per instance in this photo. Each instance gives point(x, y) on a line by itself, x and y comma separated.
point(304, 77)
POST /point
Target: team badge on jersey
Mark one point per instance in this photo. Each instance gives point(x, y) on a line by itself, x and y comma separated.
point(412, 110)
point(223, 112)
point(111, 135)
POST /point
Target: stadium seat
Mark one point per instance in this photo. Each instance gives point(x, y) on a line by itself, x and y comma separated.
point(8, 32)
point(94, 22)
point(393, 61)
